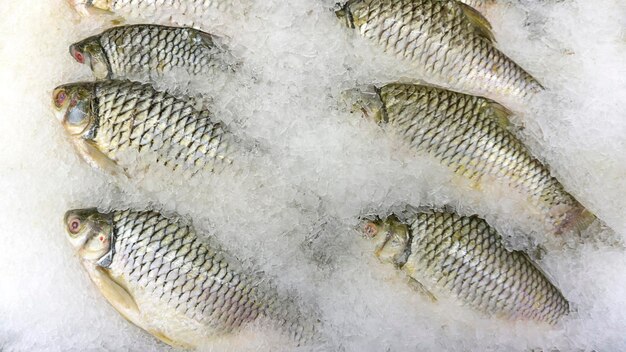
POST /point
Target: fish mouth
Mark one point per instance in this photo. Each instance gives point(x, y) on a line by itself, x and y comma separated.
point(81, 6)
point(343, 13)
point(78, 55)
point(86, 8)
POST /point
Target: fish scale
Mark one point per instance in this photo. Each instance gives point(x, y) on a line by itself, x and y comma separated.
point(191, 277)
point(447, 43)
point(464, 133)
point(511, 285)
point(135, 116)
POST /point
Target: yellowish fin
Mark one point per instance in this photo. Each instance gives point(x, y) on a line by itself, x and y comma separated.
point(94, 157)
point(481, 25)
point(116, 294)
point(577, 220)
point(423, 291)
point(165, 339)
point(500, 113)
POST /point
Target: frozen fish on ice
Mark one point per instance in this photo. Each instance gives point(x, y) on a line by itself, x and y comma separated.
point(449, 44)
point(111, 122)
point(151, 50)
point(151, 8)
point(470, 135)
point(462, 258)
point(160, 276)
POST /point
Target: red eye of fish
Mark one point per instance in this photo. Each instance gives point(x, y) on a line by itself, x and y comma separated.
point(60, 98)
point(74, 225)
point(79, 57)
point(370, 230)
point(101, 238)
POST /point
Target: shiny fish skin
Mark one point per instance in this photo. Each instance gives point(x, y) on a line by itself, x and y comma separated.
point(468, 135)
point(151, 8)
point(124, 118)
point(464, 258)
point(444, 44)
point(127, 51)
point(161, 263)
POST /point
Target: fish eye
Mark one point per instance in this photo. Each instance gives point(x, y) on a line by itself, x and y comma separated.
point(79, 56)
point(74, 225)
point(370, 229)
point(59, 98)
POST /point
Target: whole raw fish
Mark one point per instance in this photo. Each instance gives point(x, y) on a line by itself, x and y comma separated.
point(112, 123)
point(137, 50)
point(150, 8)
point(160, 276)
point(462, 258)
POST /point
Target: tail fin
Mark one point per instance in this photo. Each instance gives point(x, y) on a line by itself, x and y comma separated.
point(576, 220)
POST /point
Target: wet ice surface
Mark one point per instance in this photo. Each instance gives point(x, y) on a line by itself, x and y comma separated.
point(290, 208)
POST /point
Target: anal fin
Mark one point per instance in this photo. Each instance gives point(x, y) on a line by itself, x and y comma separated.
point(417, 286)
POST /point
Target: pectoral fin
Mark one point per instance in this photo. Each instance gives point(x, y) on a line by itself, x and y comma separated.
point(165, 339)
point(417, 286)
point(94, 157)
point(116, 294)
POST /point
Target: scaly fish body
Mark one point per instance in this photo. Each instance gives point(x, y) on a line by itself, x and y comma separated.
point(112, 122)
point(469, 135)
point(463, 258)
point(128, 51)
point(150, 8)
point(448, 43)
point(157, 273)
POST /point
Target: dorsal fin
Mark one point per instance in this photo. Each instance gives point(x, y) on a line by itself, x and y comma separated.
point(479, 22)
point(499, 113)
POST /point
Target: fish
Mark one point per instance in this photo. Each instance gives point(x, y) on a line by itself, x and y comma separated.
point(159, 275)
point(473, 137)
point(477, 4)
point(446, 43)
point(447, 256)
point(112, 123)
point(127, 51)
point(150, 8)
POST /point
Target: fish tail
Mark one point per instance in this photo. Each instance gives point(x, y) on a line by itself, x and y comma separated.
point(577, 220)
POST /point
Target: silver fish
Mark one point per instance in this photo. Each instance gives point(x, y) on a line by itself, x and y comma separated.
point(449, 44)
point(462, 258)
point(129, 51)
point(471, 136)
point(151, 8)
point(160, 276)
point(111, 122)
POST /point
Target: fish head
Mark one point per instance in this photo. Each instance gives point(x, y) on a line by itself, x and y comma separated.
point(352, 13)
point(89, 7)
point(390, 235)
point(91, 53)
point(366, 100)
point(73, 105)
point(90, 232)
